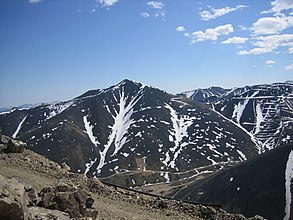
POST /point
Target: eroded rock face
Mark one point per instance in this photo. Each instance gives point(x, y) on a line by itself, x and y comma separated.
point(12, 200)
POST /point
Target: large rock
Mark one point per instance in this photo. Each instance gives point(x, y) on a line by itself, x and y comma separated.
point(39, 213)
point(76, 202)
point(12, 200)
point(15, 146)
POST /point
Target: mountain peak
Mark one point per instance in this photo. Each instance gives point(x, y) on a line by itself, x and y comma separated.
point(130, 82)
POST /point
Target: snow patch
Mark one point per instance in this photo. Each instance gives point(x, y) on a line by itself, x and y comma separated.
point(57, 108)
point(89, 131)
point(180, 125)
point(89, 165)
point(210, 159)
point(243, 157)
point(125, 154)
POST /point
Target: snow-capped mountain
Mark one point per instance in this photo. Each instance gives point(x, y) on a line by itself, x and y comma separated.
point(129, 126)
point(205, 95)
point(265, 111)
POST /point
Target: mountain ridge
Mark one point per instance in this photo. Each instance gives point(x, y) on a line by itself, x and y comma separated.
point(110, 130)
point(264, 110)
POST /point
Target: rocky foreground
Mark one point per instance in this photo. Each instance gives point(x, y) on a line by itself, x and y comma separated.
point(33, 187)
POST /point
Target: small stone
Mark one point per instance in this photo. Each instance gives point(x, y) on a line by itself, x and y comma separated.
point(27, 159)
point(4, 139)
point(32, 196)
point(162, 205)
point(89, 202)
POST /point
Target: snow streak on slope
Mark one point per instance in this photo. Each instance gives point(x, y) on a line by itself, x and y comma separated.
point(240, 107)
point(122, 122)
point(288, 180)
point(89, 131)
point(238, 110)
point(180, 125)
point(89, 165)
point(19, 127)
point(259, 118)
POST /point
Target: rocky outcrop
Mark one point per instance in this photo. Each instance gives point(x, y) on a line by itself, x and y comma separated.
point(13, 204)
point(15, 146)
point(9, 145)
point(76, 202)
point(53, 202)
point(21, 201)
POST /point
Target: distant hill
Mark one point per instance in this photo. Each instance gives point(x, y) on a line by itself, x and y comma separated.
point(206, 95)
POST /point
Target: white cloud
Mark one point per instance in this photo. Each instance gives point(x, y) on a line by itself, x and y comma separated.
point(35, 1)
point(255, 51)
point(271, 25)
point(290, 50)
point(235, 40)
point(145, 14)
point(281, 5)
point(289, 67)
point(214, 13)
point(275, 41)
point(211, 33)
point(270, 62)
point(155, 5)
point(180, 29)
point(155, 8)
point(266, 44)
point(108, 3)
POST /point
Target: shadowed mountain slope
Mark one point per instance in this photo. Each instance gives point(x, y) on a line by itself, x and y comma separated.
point(262, 186)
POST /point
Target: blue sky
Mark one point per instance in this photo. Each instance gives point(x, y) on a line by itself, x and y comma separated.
point(56, 50)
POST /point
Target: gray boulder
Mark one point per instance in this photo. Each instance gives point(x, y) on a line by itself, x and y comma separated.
point(12, 200)
point(39, 213)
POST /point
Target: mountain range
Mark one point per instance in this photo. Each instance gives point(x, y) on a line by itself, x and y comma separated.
point(129, 126)
point(186, 145)
point(265, 110)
